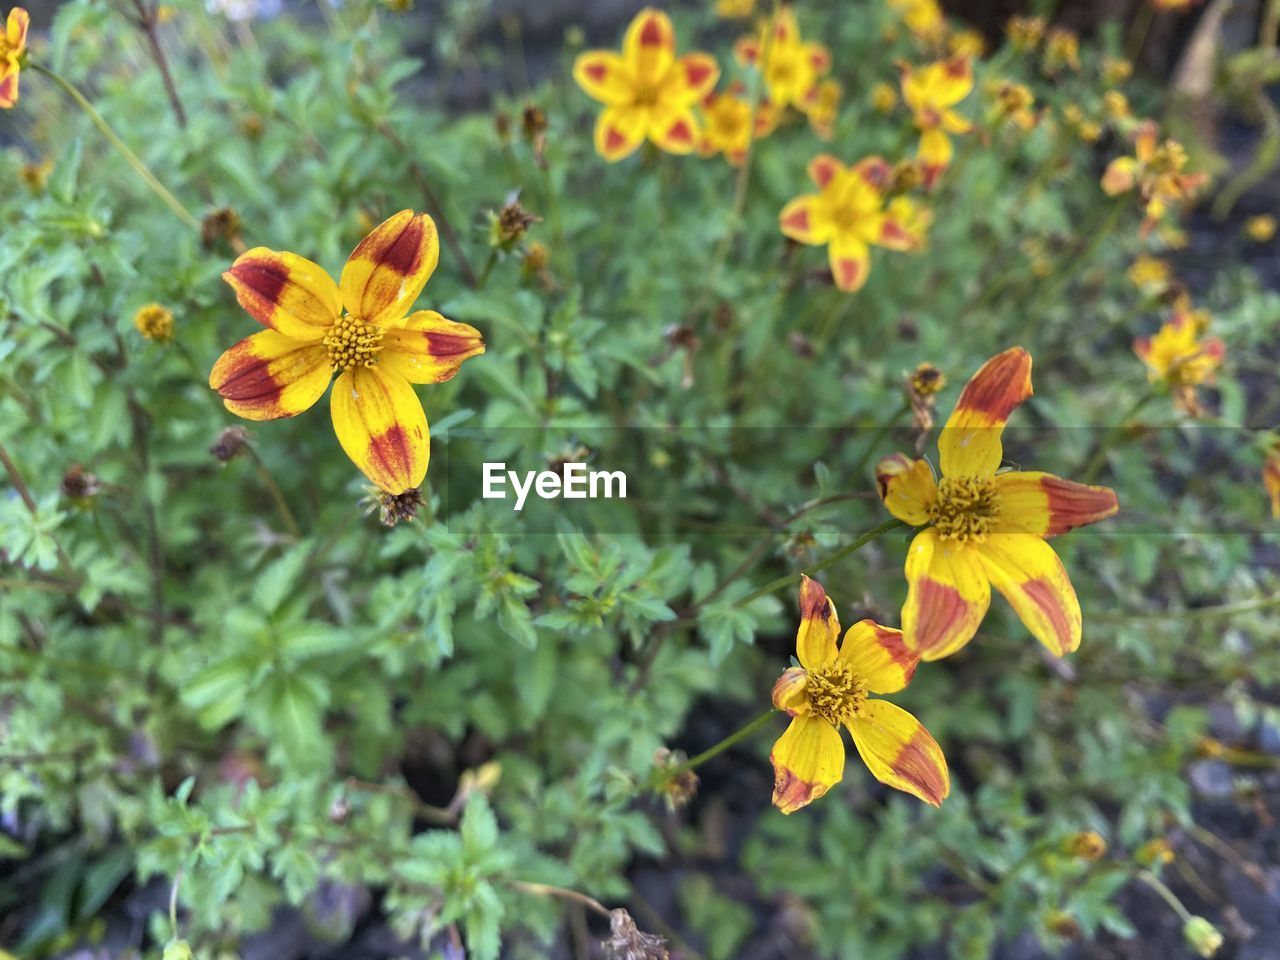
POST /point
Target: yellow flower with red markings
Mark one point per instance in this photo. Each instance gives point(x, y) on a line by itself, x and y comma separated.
point(923, 18)
point(13, 47)
point(1181, 359)
point(360, 329)
point(1156, 171)
point(821, 104)
point(984, 528)
point(829, 690)
point(790, 65)
point(1271, 478)
point(849, 216)
point(647, 91)
point(727, 124)
point(930, 92)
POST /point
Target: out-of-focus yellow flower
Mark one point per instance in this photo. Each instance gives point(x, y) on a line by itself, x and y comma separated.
point(790, 65)
point(1178, 5)
point(154, 322)
point(735, 9)
point(930, 92)
point(1271, 478)
point(1157, 852)
point(36, 175)
point(166, 13)
point(1156, 171)
point(924, 18)
point(1181, 359)
point(1116, 105)
point(1025, 33)
point(1061, 49)
point(1116, 70)
point(13, 47)
point(883, 97)
point(1260, 229)
point(727, 124)
point(1150, 274)
point(821, 104)
point(1012, 104)
point(927, 380)
point(646, 90)
point(1202, 936)
point(375, 346)
point(1086, 845)
point(982, 529)
point(1037, 254)
point(848, 215)
point(967, 43)
point(829, 690)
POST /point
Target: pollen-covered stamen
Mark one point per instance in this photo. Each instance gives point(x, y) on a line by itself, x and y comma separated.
point(353, 343)
point(964, 508)
point(836, 694)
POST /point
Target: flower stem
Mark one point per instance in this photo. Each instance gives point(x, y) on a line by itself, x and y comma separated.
point(562, 893)
point(887, 527)
point(1167, 895)
point(736, 737)
point(1095, 464)
point(130, 157)
point(277, 495)
point(146, 21)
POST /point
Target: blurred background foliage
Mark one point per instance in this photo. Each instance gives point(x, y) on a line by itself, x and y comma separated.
point(240, 729)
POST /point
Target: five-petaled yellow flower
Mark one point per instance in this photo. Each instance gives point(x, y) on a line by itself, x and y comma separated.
point(923, 18)
point(727, 125)
point(648, 91)
point(829, 690)
point(985, 529)
point(13, 44)
point(1180, 358)
point(1156, 171)
point(375, 346)
point(790, 65)
point(930, 92)
point(849, 216)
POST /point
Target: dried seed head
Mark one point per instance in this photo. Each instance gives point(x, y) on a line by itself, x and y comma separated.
point(627, 942)
point(678, 787)
point(508, 226)
point(79, 484)
point(221, 224)
point(231, 442)
point(394, 508)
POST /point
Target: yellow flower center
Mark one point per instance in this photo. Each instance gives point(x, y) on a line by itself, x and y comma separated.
point(353, 343)
point(964, 508)
point(646, 95)
point(836, 694)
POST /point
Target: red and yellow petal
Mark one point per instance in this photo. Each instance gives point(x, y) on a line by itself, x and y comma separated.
point(819, 626)
point(808, 760)
point(806, 219)
point(8, 86)
point(789, 691)
point(619, 131)
point(875, 172)
point(1027, 571)
point(900, 752)
point(602, 74)
point(674, 129)
point(269, 376)
point(824, 168)
point(1040, 503)
point(1120, 176)
point(907, 487)
point(819, 56)
point(934, 155)
point(850, 262)
point(746, 50)
point(649, 47)
point(388, 268)
point(970, 443)
point(427, 348)
point(15, 31)
point(947, 596)
point(1271, 480)
point(382, 427)
point(698, 73)
point(285, 292)
point(879, 656)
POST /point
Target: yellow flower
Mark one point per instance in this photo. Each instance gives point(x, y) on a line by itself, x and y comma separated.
point(923, 18)
point(1116, 105)
point(1202, 936)
point(821, 104)
point(1261, 228)
point(1151, 275)
point(829, 691)
point(13, 46)
point(883, 97)
point(36, 175)
point(1180, 358)
point(1271, 478)
point(647, 91)
point(375, 346)
point(1178, 5)
point(1086, 845)
point(1013, 103)
point(848, 215)
point(1116, 70)
point(154, 322)
point(983, 529)
point(1156, 171)
point(735, 9)
point(1157, 852)
point(930, 92)
point(1025, 32)
point(966, 43)
point(790, 65)
point(1061, 48)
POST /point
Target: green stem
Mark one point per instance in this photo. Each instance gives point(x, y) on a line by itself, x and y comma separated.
point(1199, 613)
point(736, 737)
point(277, 495)
point(1095, 464)
point(887, 527)
point(486, 270)
point(1167, 895)
point(130, 157)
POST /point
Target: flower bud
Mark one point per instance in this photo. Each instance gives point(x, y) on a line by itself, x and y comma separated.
point(1202, 936)
point(154, 322)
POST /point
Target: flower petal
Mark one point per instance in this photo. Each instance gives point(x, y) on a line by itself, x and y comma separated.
point(934, 155)
point(1040, 503)
point(878, 655)
point(674, 130)
point(285, 292)
point(619, 131)
point(649, 46)
point(382, 427)
point(1027, 571)
point(819, 626)
point(1271, 480)
point(16, 29)
point(602, 74)
point(875, 172)
point(746, 50)
point(907, 488)
point(8, 87)
point(427, 348)
point(850, 261)
point(699, 73)
point(388, 268)
point(1120, 176)
point(947, 596)
point(823, 168)
point(970, 442)
point(900, 752)
point(808, 760)
point(269, 376)
point(789, 691)
point(806, 219)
